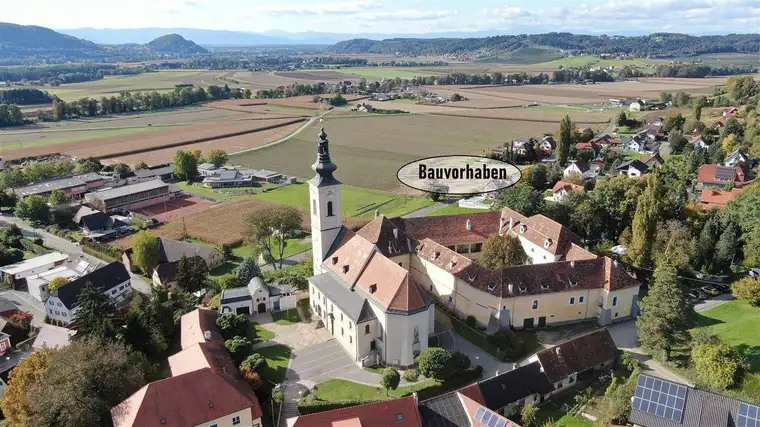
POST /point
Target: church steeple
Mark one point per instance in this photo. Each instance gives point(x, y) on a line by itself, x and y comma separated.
point(324, 167)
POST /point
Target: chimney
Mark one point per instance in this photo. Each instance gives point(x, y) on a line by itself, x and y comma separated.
point(497, 373)
point(468, 225)
point(509, 287)
point(416, 399)
point(207, 335)
point(615, 262)
point(395, 233)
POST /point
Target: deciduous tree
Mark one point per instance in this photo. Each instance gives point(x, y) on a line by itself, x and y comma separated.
point(667, 315)
point(145, 251)
point(33, 208)
point(185, 165)
point(390, 380)
point(270, 227)
point(435, 362)
point(521, 198)
point(217, 157)
point(232, 324)
point(22, 379)
point(718, 365)
point(254, 362)
point(239, 347)
point(528, 415)
point(748, 289)
point(56, 283)
point(59, 197)
point(503, 251)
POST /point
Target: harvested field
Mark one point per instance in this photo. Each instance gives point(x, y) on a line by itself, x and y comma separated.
point(514, 113)
point(387, 143)
point(177, 208)
point(230, 144)
point(129, 144)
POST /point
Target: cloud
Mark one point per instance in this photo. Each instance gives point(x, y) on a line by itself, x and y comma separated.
point(333, 8)
point(408, 15)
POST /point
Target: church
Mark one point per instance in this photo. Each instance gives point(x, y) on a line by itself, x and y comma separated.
point(374, 288)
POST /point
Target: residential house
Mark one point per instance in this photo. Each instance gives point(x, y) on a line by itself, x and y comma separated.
point(5, 343)
point(590, 147)
point(401, 412)
point(651, 134)
point(653, 160)
point(606, 140)
point(719, 124)
point(658, 121)
point(576, 359)
point(38, 285)
point(207, 169)
point(562, 188)
point(637, 105)
point(506, 393)
point(642, 144)
point(113, 280)
point(8, 308)
point(718, 199)
point(97, 225)
point(720, 177)
point(170, 252)
point(698, 142)
point(75, 186)
point(633, 168)
point(257, 297)
point(579, 167)
point(205, 387)
point(730, 111)
point(737, 158)
point(372, 288)
point(522, 146)
point(657, 402)
point(163, 172)
point(129, 197)
point(548, 144)
point(53, 337)
point(14, 273)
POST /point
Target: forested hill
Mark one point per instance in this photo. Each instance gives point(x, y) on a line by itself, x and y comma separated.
point(655, 45)
point(174, 43)
point(21, 37)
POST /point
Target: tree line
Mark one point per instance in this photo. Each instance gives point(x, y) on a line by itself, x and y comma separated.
point(67, 73)
point(25, 96)
point(10, 115)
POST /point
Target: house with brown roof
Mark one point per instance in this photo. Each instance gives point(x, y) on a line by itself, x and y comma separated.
point(401, 412)
point(205, 388)
point(730, 111)
point(373, 288)
point(718, 177)
point(607, 140)
point(710, 199)
point(579, 167)
point(465, 407)
point(562, 188)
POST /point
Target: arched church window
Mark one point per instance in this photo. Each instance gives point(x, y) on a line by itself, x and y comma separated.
point(329, 209)
point(416, 335)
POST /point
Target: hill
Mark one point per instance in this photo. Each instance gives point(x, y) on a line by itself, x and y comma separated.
point(658, 45)
point(21, 37)
point(174, 44)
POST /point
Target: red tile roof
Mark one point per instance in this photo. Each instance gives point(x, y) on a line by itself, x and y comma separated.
point(195, 325)
point(379, 414)
point(568, 186)
point(473, 392)
point(606, 140)
point(391, 285)
point(708, 174)
point(577, 355)
point(577, 253)
point(718, 199)
point(451, 229)
point(586, 146)
point(387, 236)
point(546, 233)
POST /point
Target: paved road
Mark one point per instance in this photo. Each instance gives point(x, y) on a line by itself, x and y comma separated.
point(70, 248)
point(452, 341)
point(712, 302)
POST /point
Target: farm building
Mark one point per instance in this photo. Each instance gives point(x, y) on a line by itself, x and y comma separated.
point(74, 186)
point(129, 197)
point(257, 297)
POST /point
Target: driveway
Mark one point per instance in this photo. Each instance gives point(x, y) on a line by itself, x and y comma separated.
point(451, 341)
point(712, 302)
point(25, 302)
point(296, 336)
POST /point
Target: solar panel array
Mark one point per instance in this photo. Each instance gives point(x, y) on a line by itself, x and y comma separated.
point(661, 398)
point(725, 173)
point(489, 418)
point(749, 415)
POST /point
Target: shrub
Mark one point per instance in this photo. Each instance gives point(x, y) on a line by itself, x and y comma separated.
point(253, 378)
point(232, 324)
point(390, 379)
point(411, 375)
point(627, 361)
point(718, 364)
point(228, 281)
point(747, 289)
point(461, 361)
point(511, 346)
point(239, 347)
point(254, 362)
point(436, 363)
point(470, 321)
point(312, 407)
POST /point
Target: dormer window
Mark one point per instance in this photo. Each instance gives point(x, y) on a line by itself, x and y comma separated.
point(334, 260)
point(491, 287)
point(373, 288)
point(545, 287)
point(523, 288)
point(345, 269)
point(547, 243)
point(572, 284)
point(436, 255)
point(523, 228)
point(453, 263)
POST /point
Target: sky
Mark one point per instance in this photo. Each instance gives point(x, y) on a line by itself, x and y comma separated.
point(398, 16)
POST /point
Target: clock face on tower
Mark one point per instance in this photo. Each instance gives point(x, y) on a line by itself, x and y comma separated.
point(330, 192)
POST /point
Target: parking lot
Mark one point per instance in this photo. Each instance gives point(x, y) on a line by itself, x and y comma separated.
point(25, 302)
point(321, 362)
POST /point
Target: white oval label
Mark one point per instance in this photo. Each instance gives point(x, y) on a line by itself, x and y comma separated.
point(459, 174)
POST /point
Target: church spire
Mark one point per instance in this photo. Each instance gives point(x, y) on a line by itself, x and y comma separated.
point(324, 167)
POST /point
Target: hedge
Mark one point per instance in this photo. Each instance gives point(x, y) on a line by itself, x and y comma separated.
point(457, 381)
point(319, 406)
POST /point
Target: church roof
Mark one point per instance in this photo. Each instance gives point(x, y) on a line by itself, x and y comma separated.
point(451, 229)
point(387, 236)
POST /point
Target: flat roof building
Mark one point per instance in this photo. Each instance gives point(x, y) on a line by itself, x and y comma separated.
point(30, 267)
point(73, 185)
point(129, 197)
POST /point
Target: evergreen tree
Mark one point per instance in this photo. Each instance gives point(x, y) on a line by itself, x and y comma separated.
point(247, 270)
point(667, 315)
point(96, 316)
point(725, 248)
point(192, 273)
point(565, 138)
point(645, 222)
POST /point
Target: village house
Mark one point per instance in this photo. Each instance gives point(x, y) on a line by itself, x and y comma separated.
point(718, 177)
point(698, 142)
point(75, 186)
point(98, 225)
point(465, 407)
point(562, 188)
point(5, 343)
point(651, 134)
point(372, 288)
point(580, 168)
point(113, 280)
point(653, 160)
point(606, 140)
point(632, 168)
point(730, 111)
point(640, 144)
point(738, 157)
point(170, 252)
point(590, 147)
point(718, 199)
point(548, 144)
point(522, 146)
point(38, 285)
point(658, 121)
point(205, 387)
point(257, 297)
point(401, 412)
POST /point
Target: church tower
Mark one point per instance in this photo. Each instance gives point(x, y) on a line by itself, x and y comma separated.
point(326, 207)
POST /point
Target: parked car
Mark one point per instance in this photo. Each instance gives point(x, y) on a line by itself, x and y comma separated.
point(723, 288)
point(697, 294)
point(710, 290)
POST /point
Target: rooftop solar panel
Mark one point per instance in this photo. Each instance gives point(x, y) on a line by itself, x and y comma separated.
point(749, 416)
point(661, 398)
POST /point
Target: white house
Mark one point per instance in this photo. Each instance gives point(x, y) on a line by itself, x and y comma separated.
point(633, 168)
point(736, 158)
point(113, 280)
point(30, 267)
point(579, 167)
point(37, 285)
point(562, 188)
point(699, 142)
point(257, 297)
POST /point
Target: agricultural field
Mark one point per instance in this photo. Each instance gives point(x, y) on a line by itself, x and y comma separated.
point(356, 73)
point(588, 60)
point(387, 143)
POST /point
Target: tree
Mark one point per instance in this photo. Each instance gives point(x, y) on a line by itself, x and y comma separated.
point(56, 283)
point(59, 197)
point(106, 374)
point(733, 126)
point(247, 270)
point(296, 276)
point(645, 222)
point(22, 379)
point(694, 127)
point(121, 169)
point(338, 100)
point(390, 379)
point(239, 347)
point(96, 315)
point(565, 138)
point(253, 378)
point(752, 248)
point(503, 251)
point(141, 165)
point(33, 208)
point(461, 361)
point(698, 112)
point(729, 143)
point(622, 119)
point(8, 200)
point(270, 227)
point(437, 363)
point(717, 364)
point(674, 122)
point(616, 404)
point(145, 251)
point(747, 289)
point(232, 324)
point(539, 176)
point(521, 198)
point(677, 142)
point(87, 166)
point(528, 415)
point(674, 244)
point(217, 157)
point(192, 274)
point(185, 165)
point(725, 248)
point(254, 362)
point(667, 315)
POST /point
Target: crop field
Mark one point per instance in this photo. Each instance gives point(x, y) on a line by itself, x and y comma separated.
point(168, 137)
point(179, 208)
point(266, 132)
point(387, 143)
point(356, 73)
point(586, 60)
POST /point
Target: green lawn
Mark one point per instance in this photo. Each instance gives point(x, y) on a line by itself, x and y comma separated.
point(286, 317)
point(277, 357)
point(552, 410)
point(78, 136)
point(375, 369)
point(240, 253)
point(454, 209)
point(337, 390)
point(256, 333)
